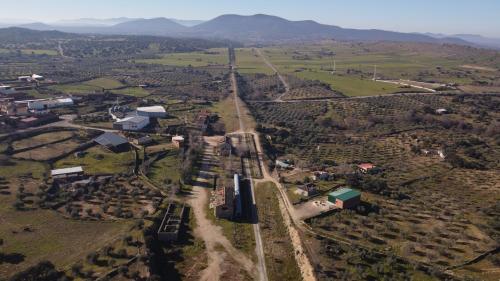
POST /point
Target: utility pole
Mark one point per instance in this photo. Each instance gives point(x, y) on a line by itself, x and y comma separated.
point(375, 73)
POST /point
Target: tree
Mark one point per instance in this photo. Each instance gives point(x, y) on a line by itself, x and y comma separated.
point(18, 205)
point(43, 271)
point(93, 257)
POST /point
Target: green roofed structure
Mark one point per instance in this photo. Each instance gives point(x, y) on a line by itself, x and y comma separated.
point(345, 198)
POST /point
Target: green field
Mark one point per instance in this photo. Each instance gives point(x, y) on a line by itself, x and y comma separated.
point(355, 64)
point(165, 169)
point(32, 52)
point(248, 61)
point(195, 59)
point(132, 91)
point(17, 168)
point(91, 86)
point(351, 85)
point(100, 161)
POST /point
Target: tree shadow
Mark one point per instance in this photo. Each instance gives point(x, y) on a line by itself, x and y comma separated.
point(13, 258)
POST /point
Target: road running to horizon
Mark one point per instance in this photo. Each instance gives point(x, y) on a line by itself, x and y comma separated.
point(286, 207)
point(259, 250)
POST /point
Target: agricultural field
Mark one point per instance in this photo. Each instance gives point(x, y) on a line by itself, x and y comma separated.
point(475, 69)
point(31, 52)
point(97, 160)
point(91, 86)
point(413, 203)
point(194, 59)
point(249, 62)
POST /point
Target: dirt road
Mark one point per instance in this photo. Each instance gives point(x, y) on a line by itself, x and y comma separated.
point(283, 81)
point(259, 250)
point(219, 249)
point(286, 207)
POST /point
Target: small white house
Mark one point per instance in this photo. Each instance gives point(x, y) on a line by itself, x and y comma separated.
point(156, 111)
point(132, 123)
point(37, 77)
point(24, 78)
point(441, 111)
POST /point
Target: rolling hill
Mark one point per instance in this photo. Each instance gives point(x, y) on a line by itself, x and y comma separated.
point(262, 28)
point(249, 29)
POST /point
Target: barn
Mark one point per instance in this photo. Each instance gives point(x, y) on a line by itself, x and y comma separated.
point(113, 142)
point(132, 123)
point(156, 111)
point(345, 198)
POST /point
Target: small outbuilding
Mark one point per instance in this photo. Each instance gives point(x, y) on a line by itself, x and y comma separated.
point(178, 141)
point(143, 140)
point(307, 190)
point(67, 173)
point(441, 111)
point(284, 164)
point(345, 198)
point(365, 167)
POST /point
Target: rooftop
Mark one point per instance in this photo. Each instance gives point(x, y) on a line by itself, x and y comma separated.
point(178, 138)
point(366, 166)
point(64, 171)
point(133, 119)
point(345, 193)
point(155, 108)
point(110, 139)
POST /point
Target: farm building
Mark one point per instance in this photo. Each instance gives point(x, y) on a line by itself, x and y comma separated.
point(112, 141)
point(178, 141)
point(156, 111)
point(44, 104)
point(132, 123)
point(345, 198)
point(143, 140)
point(223, 202)
point(171, 223)
point(9, 107)
point(284, 164)
point(308, 189)
point(67, 173)
point(365, 167)
point(24, 78)
point(7, 90)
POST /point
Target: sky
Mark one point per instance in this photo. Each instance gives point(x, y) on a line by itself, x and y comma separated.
point(436, 16)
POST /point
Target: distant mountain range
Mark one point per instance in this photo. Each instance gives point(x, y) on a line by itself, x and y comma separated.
point(476, 39)
point(250, 29)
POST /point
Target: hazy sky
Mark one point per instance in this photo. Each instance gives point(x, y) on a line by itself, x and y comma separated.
point(439, 16)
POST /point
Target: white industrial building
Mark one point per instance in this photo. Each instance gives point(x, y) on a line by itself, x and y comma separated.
point(44, 104)
point(131, 123)
point(156, 111)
